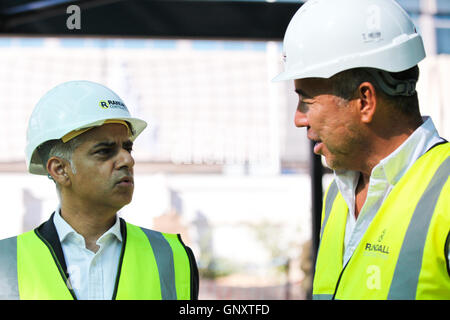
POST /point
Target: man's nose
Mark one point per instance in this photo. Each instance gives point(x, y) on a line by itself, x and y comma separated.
point(300, 119)
point(125, 159)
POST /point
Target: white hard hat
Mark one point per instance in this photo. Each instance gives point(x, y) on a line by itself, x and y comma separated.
point(70, 109)
point(325, 37)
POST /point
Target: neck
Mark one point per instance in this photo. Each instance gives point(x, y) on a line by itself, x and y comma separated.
point(90, 223)
point(383, 142)
point(377, 154)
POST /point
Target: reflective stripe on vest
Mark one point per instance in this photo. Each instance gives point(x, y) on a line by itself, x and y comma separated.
point(406, 274)
point(165, 273)
point(329, 199)
point(8, 269)
point(154, 265)
point(405, 262)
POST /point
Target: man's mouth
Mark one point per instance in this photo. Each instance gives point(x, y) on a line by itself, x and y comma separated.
point(126, 181)
point(313, 137)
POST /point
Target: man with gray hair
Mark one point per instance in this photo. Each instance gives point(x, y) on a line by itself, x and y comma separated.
point(386, 216)
point(81, 135)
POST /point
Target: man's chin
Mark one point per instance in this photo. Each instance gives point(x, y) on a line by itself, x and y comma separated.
point(121, 200)
point(126, 201)
point(331, 162)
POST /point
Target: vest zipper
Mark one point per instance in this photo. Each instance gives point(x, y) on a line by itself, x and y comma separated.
point(447, 245)
point(339, 279)
point(58, 265)
point(123, 230)
point(119, 269)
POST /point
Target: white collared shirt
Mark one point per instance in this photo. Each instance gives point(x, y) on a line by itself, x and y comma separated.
point(383, 178)
point(92, 275)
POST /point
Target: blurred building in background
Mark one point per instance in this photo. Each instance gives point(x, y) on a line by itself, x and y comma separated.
point(221, 162)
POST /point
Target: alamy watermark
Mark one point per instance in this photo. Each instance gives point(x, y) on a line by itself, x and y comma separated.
point(74, 20)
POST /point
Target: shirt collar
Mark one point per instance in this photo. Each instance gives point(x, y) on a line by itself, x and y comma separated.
point(64, 229)
point(395, 165)
point(398, 162)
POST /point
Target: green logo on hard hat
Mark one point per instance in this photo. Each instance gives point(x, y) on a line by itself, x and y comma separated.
point(104, 104)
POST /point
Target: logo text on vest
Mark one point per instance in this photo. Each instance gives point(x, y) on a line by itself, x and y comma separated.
point(378, 248)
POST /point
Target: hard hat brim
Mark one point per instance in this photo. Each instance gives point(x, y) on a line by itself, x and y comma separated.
point(388, 58)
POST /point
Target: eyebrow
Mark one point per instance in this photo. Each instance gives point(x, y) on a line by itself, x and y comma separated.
point(111, 144)
point(302, 93)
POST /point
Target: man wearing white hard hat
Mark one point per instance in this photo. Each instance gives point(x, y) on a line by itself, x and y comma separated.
point(81, 135)
point(386, 215)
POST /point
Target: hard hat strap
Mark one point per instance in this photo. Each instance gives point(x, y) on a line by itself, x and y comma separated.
point(392, 86)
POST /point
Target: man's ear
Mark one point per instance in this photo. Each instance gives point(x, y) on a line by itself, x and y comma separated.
point(367, 98)
point(57, 168)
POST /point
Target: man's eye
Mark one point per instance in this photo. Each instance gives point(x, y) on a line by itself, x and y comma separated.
point(103, 151)
point(304, 104)
point(303, 100)
point(129, 149)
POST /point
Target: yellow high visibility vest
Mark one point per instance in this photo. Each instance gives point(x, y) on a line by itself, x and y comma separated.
point(153, 265)
point(402, 254)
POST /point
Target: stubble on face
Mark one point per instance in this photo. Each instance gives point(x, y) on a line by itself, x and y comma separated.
point(332, 121)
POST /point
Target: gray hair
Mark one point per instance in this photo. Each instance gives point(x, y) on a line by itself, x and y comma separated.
point(57, 148)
